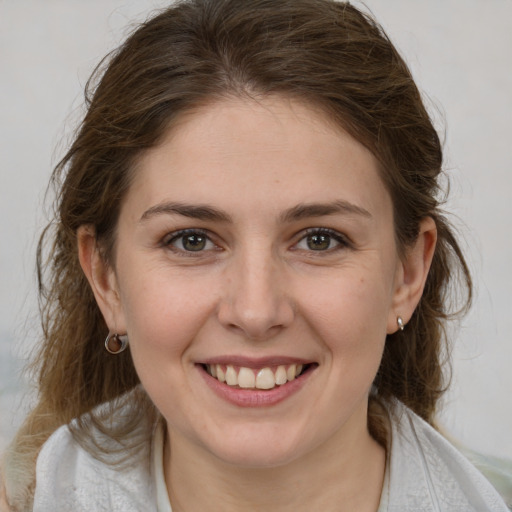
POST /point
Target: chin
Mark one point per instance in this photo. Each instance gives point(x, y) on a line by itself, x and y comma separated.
point(257, 459)
point(258, 451)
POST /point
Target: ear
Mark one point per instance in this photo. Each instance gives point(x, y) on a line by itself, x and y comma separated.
point(102, 279)
point(412, 274)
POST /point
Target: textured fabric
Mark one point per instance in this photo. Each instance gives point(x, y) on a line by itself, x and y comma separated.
point(424, 474)
point(70, 479)
point(427, 474)
point(162, 497)
point(497, 470)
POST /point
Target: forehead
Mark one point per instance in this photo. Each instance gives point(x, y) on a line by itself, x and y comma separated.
point(275, 151)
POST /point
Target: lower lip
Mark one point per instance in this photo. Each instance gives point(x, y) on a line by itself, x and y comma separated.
point(255, 397)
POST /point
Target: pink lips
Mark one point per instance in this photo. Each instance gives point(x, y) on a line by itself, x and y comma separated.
point(254, 362)
point(255, 397)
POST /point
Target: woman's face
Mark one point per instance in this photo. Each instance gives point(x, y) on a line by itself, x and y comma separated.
point(256, 245)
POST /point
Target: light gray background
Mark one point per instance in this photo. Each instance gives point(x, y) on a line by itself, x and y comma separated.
point(460, 52)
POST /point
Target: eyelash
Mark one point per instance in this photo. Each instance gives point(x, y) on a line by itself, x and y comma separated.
point(181, 234)
point(341, 241)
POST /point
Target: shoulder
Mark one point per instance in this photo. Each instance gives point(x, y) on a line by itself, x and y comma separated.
point(68, 477)
point(427, 473)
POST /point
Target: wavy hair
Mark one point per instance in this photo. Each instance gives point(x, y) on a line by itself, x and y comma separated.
point(323, 52)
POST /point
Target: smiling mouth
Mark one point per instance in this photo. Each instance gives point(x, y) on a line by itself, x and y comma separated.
point(265, 378)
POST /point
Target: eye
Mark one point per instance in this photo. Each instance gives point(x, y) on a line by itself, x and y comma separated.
point(189, 240)
point(321, 240)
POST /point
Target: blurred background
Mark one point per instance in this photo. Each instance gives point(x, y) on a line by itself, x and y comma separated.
point(460, 53)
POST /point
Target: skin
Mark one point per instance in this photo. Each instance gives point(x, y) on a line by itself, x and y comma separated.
point(260, 288)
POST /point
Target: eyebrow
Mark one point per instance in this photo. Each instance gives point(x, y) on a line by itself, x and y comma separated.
point(200, 212)
point(304, 211)
point(299, 212)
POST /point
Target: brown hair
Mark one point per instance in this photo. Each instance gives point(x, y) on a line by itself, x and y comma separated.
point(322, 52)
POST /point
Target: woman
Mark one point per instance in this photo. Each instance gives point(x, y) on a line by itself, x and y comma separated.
point(246, 291)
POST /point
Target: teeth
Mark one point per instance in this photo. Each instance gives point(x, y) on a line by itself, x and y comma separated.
point(265, 379)
point(281, 377)
point(247, 378)
point(231, 376)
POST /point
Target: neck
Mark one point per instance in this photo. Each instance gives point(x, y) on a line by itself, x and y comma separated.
point(340, 475)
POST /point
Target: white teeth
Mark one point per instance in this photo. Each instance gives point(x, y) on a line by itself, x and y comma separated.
point(281, 376)
point(247, 378)
point(231, 376)
point(265, 379)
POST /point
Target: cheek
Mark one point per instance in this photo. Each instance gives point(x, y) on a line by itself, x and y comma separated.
point(163, 314)
point(348, 315)
point(163, 318)
point(352, 308)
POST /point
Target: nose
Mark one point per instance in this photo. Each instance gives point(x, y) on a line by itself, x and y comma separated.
point(257, 299)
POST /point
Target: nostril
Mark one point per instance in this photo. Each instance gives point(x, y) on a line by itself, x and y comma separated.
point(256, 306)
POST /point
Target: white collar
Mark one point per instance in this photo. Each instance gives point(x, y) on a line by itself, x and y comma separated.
point(157, 449)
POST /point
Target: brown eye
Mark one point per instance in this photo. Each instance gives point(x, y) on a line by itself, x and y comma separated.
point(189, 241)
point(193, 242)
point(322, 240)
point(319, 242)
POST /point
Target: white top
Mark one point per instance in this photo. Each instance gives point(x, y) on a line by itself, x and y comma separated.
point(162, 497)
point(424, 474)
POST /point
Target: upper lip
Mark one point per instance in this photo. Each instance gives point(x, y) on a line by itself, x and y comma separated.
point(255, 362)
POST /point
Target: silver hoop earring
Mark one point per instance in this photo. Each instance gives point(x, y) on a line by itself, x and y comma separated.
point(400, 323)
point(116, 343)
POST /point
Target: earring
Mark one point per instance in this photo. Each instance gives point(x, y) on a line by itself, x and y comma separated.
point(116, 343)
point(400, 323)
